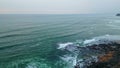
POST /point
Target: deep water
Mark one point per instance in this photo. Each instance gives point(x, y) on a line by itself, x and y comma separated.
point(32, 40)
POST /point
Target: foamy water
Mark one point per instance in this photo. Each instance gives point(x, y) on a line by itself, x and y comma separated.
point(39, 41)
point(72, 58)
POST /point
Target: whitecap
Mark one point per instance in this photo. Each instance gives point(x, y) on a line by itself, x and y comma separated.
point(71, 60)
point(76, 51)
point(89, 41)
point(63, 45)
point(106, 39)
point(37, 65)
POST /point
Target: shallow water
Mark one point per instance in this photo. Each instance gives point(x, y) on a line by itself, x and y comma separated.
point(32, 41)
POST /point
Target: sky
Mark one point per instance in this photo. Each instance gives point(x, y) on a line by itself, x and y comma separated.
point(59, 6)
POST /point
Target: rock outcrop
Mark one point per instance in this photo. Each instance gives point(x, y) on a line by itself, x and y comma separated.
point(99, 52)
point(118, 14)
point(108, 57)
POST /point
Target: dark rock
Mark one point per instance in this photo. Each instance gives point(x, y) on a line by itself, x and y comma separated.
point(108, 56)
point(111, 58)
point(103, 55)
point(118, 14)
point(77, 66)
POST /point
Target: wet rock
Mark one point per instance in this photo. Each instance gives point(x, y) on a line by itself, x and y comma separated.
point(110, 58)
point(77, 66)
point(102, 55)
point(107, 56)
point(118, 14)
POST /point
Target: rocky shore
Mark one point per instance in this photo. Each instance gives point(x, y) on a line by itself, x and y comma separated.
point(99, 52)
point(108, 57)
point(118, 14)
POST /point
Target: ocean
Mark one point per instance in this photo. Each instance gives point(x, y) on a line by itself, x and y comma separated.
point(36, 40)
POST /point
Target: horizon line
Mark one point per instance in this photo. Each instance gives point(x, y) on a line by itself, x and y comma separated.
point(58, 13)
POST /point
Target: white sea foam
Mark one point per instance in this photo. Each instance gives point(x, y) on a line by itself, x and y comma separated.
point(32, 65)
point(37, 65)
point(63, 45)
point(66, 58)
point(102, 40)
point(72, 47)
point(72, 60)
point(96, 40)
point(89, 41)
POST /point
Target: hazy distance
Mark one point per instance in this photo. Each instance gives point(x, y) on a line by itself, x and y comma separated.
point(59, 6)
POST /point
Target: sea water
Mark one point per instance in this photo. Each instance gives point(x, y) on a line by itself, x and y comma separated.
point(36, 40)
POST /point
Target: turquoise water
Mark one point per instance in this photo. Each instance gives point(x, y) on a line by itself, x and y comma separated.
point(31, 40)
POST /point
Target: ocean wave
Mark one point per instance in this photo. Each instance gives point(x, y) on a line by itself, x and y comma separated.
point(71, 60)
point(35, 62)
point(106, 39)
point(63, 45)
point(13, 35)
point(37, 65)
point(84, 54)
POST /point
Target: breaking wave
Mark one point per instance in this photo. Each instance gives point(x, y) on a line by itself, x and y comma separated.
point(86, 52)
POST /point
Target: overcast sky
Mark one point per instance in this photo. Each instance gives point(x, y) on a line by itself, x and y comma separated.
point(59, 6)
